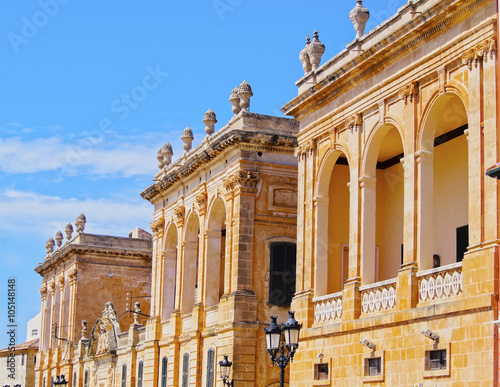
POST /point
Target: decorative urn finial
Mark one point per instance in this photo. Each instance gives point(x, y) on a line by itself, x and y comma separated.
point(50, 246)
point(316, 50)
point(245, 93)
point(59, 238)
point(187, 138)
point(209, 119)
point(164, 155)
point(84, 330)
point(235, 101)
point(359, 16)
point(68, 230)
point(304, 56)
point(80, 223)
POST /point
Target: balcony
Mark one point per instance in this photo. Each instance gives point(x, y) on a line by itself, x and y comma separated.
point(379, 296)
point(328, 308)
point(440, 283)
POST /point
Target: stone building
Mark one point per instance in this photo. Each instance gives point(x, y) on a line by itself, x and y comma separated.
point(17, 367)
point(223, 249)
point(79, 277)
point(398, 224)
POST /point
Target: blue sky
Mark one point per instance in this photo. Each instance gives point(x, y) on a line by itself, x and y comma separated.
point(92, 89)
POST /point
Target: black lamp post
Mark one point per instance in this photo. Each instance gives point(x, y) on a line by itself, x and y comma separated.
point(225, 369)
point(60, 380)
point(291, 330)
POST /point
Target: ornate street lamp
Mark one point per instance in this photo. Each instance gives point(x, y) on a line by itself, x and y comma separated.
point(60, 380)
point(291, 330)
point(225, 369)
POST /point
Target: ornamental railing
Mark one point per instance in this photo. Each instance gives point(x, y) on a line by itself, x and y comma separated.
point(327, 308)
point(440, 283)
point(378, 297)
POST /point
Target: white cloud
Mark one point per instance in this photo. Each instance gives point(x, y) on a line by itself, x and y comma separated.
point(87, 155)
point(31, 213)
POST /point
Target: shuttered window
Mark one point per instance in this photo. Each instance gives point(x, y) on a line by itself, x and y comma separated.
point(210, 368)
point(139, 374)
point(282, 273)
point(185, 370)
point(124, 375)
point(164, 365)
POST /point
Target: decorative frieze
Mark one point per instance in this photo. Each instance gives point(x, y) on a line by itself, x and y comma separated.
point(242, 182)
point(354, 122)
point(305, 150)
point(200, 203)
point(328, 308)
point(480, 52)
point(408, 92)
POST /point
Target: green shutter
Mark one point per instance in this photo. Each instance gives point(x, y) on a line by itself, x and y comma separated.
point(210, 368)
point(164, 365)
point(139, 374)
point(185, 370)
point(124, 375)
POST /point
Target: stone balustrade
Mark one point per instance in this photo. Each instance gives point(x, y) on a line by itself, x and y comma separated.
point(439, 283)
point(378, 297)
point(327, 308)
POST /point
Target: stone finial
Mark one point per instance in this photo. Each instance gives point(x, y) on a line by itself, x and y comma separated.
point(359, 16)
point(80, 223)
point(235, 101)
point(59, 238)
point(187, 138)
point(84, 330)
point(315, 50)
point(244, 92)
point(68, 231)
point(304, 56)
point(209, 119)
point(50, 245)
point(164, 155)
point(137, 312)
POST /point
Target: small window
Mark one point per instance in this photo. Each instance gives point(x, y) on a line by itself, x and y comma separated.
point(43, 383)
point(437, 359)
point(34, 332)
point(210, 368)
point(22, 359)
point(282, 273)
point(185, 370)
point(322, 371)
point(34, 360)
point(86, 379)
point(374, 366)
point(462, 241)
point(74, 379)
point(139, 374)
point(164, 367)
point(124, 375)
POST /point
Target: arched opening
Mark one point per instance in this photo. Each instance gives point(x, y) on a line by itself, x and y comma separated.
point(216, 252)
point(169, 272)
point(444, 187)
point(383, 206)
point(333, 213)
point(190, 264)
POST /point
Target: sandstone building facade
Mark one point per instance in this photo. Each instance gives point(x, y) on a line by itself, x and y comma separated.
point(398, 225)
point(79, 277)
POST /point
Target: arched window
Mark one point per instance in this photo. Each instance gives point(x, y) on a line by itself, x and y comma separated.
point(282, 273)
point(185, 370)
point(86, 379)
point(139, 374)
point(210, 368)
point(124, 375)
point(43, 384)
point(164, 367)
point(74, 379)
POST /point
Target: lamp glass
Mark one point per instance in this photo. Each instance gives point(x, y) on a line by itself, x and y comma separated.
point(225, 368)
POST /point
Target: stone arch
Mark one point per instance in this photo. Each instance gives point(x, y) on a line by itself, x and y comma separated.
point(443, 180)
point(190, 247)
point(332, 222)
point(169, 274)
point(382, 192)
point(215, 266)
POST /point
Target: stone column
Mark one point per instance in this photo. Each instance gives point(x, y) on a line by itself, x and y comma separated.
point(367, 187)
point(157, 264)
point(72, 304)
point(425, 209)
point(321, 245)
